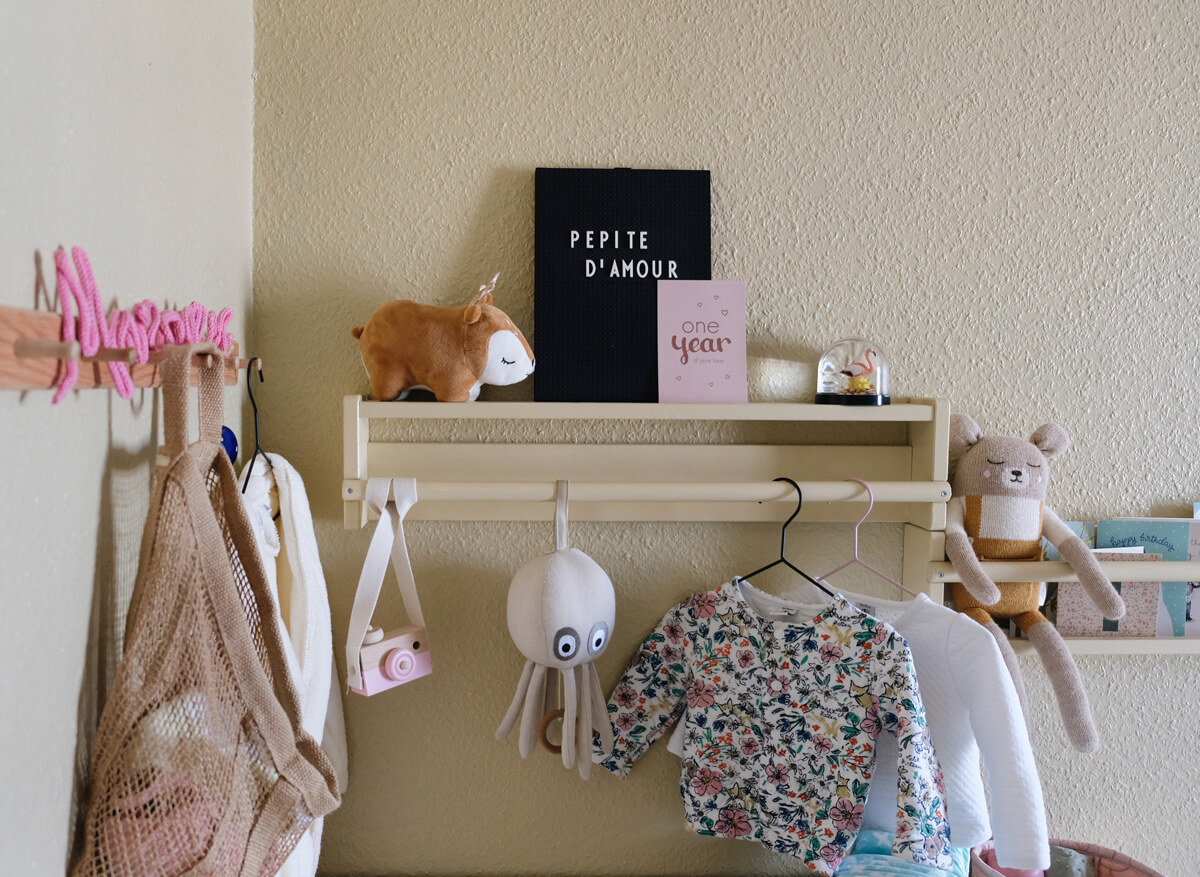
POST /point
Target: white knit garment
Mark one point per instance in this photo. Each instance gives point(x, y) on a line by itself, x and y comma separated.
point(972, 709)
point(293, 567)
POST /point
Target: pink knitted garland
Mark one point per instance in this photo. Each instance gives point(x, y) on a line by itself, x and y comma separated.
point(144, 328)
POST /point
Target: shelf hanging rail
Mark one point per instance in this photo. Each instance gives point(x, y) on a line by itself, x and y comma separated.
point(664, 491)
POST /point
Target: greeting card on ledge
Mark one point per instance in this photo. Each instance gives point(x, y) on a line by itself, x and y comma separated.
point(701, 341)
point(1078, 615)
point(1174, 539)
point(1085, 530)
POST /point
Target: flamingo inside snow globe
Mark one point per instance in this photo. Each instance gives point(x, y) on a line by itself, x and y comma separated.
point(853, 372)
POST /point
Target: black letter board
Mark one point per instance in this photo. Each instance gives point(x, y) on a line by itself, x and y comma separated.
point(602, 241)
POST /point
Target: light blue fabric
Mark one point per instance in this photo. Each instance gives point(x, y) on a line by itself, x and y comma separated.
point(872, 857)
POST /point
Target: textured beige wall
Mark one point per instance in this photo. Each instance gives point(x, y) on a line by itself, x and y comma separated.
point(1003, 195)
point(125, 129)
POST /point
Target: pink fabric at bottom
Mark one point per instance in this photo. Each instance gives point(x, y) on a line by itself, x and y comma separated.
point(989, 858)
point(1109, 863)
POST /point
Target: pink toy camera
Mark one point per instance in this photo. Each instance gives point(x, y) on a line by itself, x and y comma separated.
point(393, 658)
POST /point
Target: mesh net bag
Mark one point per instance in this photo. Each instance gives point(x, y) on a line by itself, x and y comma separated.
point(200, 764)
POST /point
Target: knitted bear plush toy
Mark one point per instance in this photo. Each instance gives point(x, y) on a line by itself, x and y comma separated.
point(998, 512)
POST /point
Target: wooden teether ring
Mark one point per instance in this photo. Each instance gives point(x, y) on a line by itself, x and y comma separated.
point(544, 726)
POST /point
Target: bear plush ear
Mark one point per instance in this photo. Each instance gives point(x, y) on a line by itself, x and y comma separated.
point(1051, 439)
point(964, 433)
point(472, 314)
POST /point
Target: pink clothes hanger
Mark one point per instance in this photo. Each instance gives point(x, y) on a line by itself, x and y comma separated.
point(856, 559)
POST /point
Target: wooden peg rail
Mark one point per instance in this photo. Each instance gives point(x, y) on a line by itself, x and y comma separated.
point(32, 356)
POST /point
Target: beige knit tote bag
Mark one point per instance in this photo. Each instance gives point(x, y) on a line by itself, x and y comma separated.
point(200, 764)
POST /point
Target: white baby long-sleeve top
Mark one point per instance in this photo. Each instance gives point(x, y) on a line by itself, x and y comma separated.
point(972, 708)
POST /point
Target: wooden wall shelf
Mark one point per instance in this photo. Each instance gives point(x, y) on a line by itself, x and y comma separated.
point(654, 482)
point(1116, 645)
point(1058, 571)
point(1117, 571)
point(481, 481)
point(913, 412)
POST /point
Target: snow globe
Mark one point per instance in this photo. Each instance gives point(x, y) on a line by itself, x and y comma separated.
point(853, 372)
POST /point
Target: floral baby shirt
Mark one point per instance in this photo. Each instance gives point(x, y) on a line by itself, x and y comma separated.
point(782, 710)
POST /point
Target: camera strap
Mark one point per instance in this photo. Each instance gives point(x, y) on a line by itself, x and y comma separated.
point(388, 541)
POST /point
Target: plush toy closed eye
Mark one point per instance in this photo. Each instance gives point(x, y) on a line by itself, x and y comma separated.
point(450, 351)
point(998, 512)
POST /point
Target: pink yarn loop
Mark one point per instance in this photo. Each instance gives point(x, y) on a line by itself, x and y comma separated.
point(66, 292)
point(217, 329)
point(146, 313)
point(144, 328)
point(194, 318)
point(172, 327)
point(89, 332)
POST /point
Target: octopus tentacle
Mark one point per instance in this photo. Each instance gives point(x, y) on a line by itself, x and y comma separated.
point(570, 714)
point(552, 698)
point(514, 710)
point(583, 726)
point(532, 714)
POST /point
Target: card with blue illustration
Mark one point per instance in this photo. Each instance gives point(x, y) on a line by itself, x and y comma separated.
point(1174, 539)
point(1085, 530)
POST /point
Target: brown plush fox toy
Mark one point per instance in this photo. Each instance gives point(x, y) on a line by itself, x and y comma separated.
point(450, 351)
point(998, 512)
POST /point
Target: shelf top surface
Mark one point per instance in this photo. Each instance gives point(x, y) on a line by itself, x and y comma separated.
point(907, 412)
point(1150, 645)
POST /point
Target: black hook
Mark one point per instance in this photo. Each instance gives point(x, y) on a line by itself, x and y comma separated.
point(254, 405)
point(799, 505)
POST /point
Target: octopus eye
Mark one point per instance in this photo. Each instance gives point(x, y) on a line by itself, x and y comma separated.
point(566, 643)
point(598, 638)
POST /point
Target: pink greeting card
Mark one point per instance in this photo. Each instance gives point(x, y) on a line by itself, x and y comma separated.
point(701, 341)
point(1078, 615)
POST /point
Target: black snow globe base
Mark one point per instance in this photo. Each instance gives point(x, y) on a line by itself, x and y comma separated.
point(853, 372)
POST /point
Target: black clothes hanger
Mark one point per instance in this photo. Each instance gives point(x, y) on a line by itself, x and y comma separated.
point(257, 447)
point(783, 543)
point(250, 391)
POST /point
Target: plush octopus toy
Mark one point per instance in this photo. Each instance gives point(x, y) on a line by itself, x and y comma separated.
point(561, 609)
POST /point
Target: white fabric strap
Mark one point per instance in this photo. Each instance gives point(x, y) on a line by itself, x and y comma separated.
point(404, 490)
point(561, 489)
point(388, 540)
